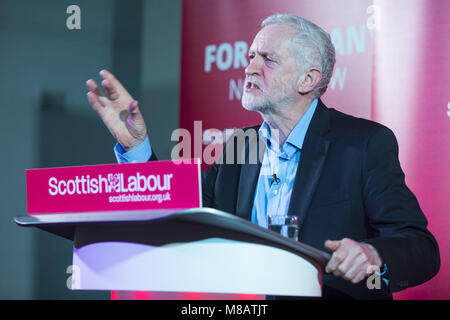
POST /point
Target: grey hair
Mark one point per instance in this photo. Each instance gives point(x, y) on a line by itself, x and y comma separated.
point(312, 44)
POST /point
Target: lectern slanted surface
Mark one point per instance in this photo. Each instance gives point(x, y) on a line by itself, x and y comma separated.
point(66, 224)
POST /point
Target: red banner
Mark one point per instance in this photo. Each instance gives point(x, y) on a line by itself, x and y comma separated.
point(392, 66)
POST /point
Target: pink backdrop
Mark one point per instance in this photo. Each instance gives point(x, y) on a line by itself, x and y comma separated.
point(411, 96)
point(392, 66)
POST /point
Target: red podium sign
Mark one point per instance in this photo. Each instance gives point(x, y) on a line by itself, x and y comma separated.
point(138, 186)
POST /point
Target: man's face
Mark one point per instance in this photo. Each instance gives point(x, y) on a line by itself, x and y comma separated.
point(272, 73)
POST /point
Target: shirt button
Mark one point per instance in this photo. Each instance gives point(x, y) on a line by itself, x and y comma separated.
point(275, 192)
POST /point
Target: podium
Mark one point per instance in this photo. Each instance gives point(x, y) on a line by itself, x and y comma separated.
point(194, 250)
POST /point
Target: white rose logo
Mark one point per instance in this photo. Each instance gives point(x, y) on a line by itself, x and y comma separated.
point(114, 181)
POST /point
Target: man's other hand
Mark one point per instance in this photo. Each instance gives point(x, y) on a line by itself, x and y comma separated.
point(352, 260)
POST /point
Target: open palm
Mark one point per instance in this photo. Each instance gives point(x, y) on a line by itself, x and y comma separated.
point(118, 110)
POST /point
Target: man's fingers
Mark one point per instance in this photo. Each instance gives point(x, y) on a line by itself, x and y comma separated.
point(94, 101)
point(354, 267)
point(360, 276)
point(93, 87)
point(336, 259)
point(110, 89)
point(112, 83)
point(332, 245)
point(333, 264)
point(341, 251)
point(106, 74)
point(350, 260)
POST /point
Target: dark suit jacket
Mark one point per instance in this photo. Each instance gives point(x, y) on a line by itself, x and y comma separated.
point(348, 184)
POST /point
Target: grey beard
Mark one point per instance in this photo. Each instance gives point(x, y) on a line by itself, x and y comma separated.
point(265, 108)
point(270, 108)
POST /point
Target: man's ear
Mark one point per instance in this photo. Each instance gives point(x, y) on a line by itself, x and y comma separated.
point(309, 81)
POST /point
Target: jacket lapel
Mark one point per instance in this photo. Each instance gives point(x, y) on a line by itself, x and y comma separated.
point(249, 177)
point(312, 160)
point(246, 192)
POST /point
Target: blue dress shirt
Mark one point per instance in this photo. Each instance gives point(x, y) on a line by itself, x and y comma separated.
point(274, 198)
point(140, 153)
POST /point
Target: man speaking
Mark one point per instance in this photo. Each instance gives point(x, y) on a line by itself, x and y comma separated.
point(339, 174)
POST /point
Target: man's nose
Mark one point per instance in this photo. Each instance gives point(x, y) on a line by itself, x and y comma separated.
point(254, 67)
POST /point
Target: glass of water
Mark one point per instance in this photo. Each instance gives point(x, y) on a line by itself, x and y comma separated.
point(287, 226)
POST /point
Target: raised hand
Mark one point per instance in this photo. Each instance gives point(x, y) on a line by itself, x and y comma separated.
point(118, 110)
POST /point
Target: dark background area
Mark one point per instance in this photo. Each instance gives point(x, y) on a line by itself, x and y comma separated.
point(46, 120)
